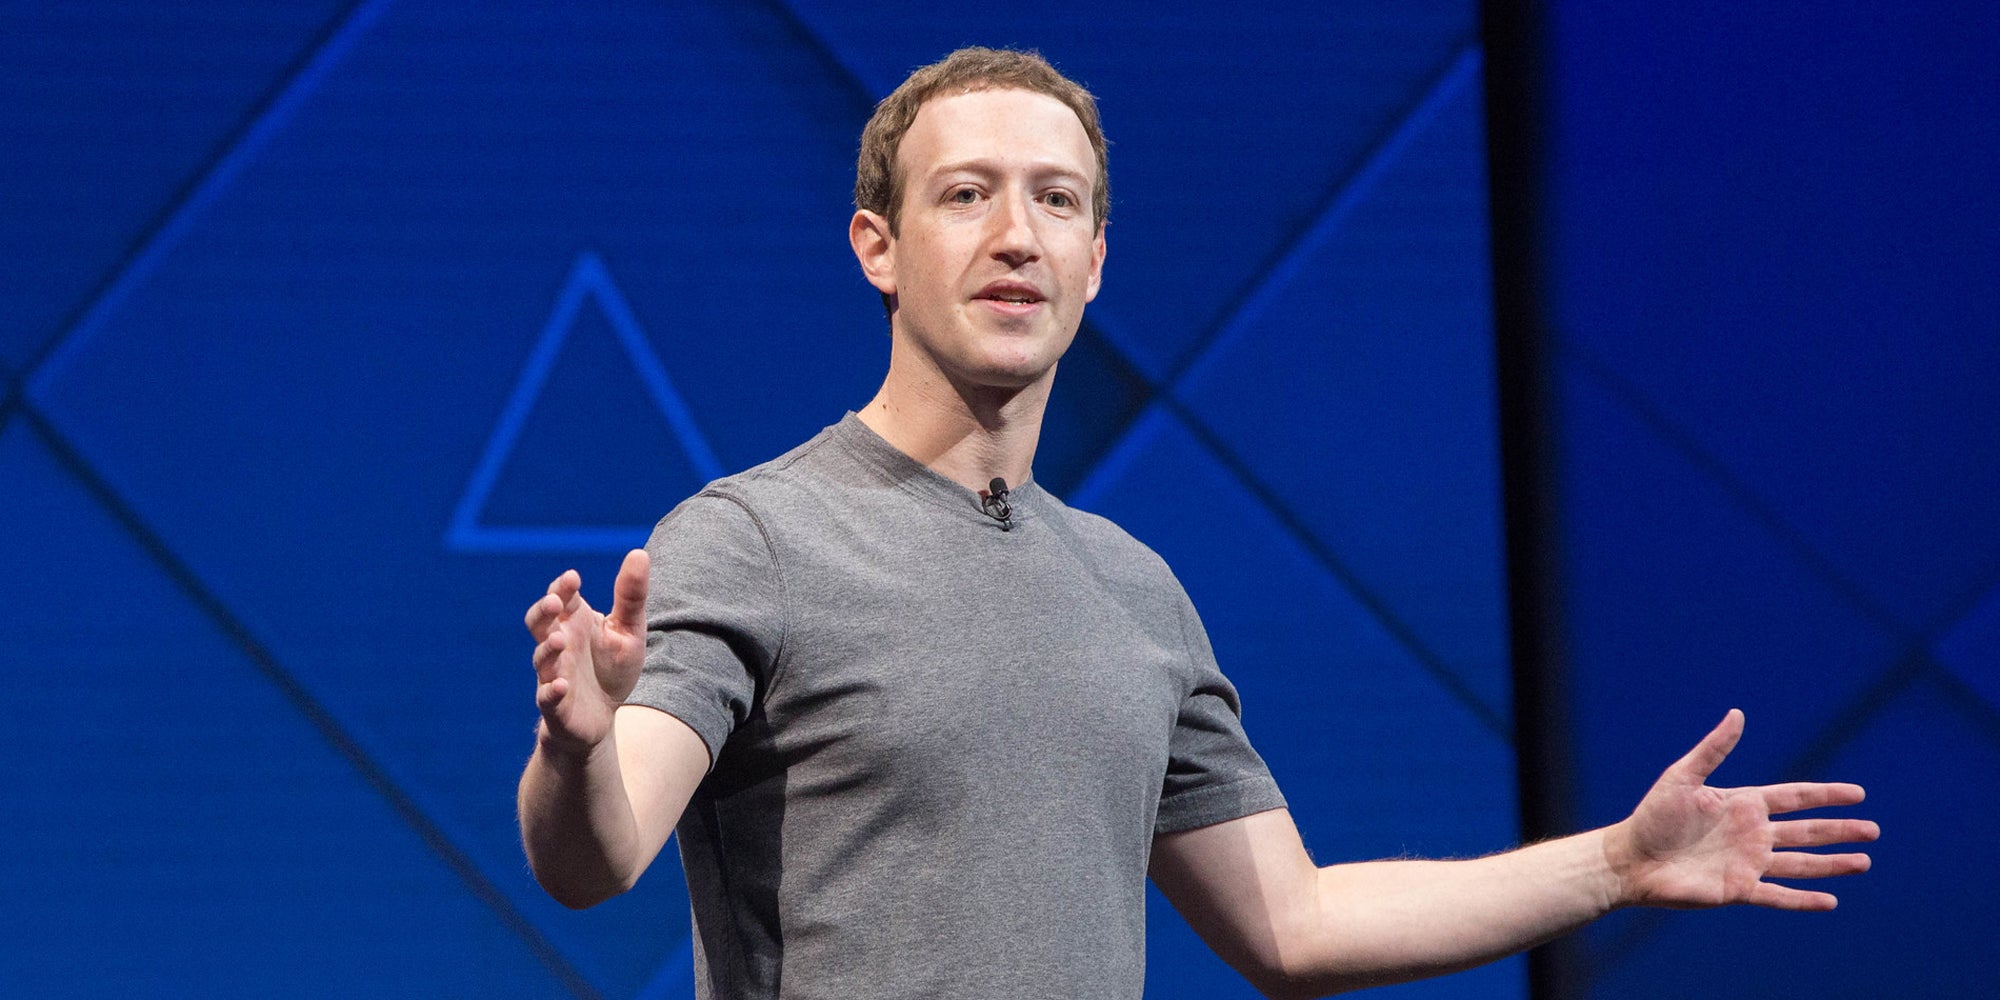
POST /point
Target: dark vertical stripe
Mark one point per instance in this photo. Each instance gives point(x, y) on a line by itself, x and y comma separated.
point(1510, 32)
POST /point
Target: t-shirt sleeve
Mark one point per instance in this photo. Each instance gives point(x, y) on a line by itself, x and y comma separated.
point(1213, 773)
point(714, 617)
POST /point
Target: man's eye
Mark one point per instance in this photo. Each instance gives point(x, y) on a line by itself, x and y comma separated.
point(1057, 199)
point(963, 196)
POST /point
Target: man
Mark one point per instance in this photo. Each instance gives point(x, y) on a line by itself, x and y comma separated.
point(925, 735)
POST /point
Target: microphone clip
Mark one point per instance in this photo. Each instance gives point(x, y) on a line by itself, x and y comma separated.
point(993, 503)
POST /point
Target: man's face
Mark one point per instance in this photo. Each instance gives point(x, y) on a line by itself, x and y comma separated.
point(998, 251)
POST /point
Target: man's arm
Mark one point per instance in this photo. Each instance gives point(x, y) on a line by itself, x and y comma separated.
point(607, 781)
point(1248, 888)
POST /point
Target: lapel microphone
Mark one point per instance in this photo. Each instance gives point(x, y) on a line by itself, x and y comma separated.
point(993, 501)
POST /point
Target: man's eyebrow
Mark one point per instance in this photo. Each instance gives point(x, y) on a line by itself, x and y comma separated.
point(987, 167)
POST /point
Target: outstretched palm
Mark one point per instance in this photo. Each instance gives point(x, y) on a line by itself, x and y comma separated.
point(586, 662)
point(1689, 845)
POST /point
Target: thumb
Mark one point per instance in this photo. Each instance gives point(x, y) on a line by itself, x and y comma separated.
point(628, 593)
point(1709, 754)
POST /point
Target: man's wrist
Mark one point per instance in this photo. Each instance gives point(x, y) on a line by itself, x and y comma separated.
point(566, 752)
point(1614, 846)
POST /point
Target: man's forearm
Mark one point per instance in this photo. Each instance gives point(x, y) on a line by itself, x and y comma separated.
point(577, 824)
point(1249, 888)
point(1379, 922)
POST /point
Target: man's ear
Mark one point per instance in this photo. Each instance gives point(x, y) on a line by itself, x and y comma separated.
point(875, 248)
point(1096, 262)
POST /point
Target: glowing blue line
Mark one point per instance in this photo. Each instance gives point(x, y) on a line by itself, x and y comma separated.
point(1123, 452)
point(587, 277)
point(206, 194)
point(658, 385)
point(1120, 457)
point(1275, 281)
point(465, 531)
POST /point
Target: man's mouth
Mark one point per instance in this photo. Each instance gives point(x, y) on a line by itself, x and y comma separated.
point(1010, 292)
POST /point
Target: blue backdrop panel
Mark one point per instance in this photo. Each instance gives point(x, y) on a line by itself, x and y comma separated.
point(1748, 625)
point(396, 310)
point(110, 111)
point(1374, 369)
point(1774, 234)
point(1913, 929)
point(177, 826)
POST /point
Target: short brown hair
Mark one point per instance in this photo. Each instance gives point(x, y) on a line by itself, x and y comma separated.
point(878, 186)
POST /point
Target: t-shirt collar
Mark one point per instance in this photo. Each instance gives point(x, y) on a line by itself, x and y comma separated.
point(859, 439)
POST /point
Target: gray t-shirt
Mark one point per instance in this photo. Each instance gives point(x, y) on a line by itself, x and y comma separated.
point(941, 749)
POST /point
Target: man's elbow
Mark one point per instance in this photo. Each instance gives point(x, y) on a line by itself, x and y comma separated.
point(1288, 985)
point(1276, 968)
point(1278, 982)
point(576, 890)
point(579, 897)
point(1274, 986)
point(1297, 962)
point(1308, 975)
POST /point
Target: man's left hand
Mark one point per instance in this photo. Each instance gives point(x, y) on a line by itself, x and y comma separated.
point(1689, 845)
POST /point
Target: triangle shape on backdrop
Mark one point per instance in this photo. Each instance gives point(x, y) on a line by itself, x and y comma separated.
point(541, 519)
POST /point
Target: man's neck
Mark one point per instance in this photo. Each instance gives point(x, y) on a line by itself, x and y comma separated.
point(967, 434)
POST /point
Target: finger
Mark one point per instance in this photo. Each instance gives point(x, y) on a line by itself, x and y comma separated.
point(1820, 832)
point(547, 653)
point(549, 696)
point(1709, 754)
point(1784, 897)
point(628, 593)
point(567, 588)
point(1795, 795)
point(543, 615)
point(1799, 864)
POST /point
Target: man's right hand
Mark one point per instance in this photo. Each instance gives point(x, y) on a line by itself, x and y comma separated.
point(586, 663)
point(595, 810)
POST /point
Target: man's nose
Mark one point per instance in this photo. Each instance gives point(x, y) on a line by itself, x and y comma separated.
point(1015, 240)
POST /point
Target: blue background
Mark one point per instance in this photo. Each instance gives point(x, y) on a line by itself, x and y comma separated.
point(333, 331)
point(1770, 268)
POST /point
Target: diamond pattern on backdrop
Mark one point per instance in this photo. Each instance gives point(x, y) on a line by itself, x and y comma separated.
point(1970, 648)
point(1773, 233)
point(185, 800)
point(1773, 625)
point(1790, 610)
point(1933, 885)
point(1371, 433)
point(100, 94)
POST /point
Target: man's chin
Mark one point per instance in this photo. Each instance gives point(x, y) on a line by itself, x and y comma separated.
point(1009, 375)
point(1020, 372)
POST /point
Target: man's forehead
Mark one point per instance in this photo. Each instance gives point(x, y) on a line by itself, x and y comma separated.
point(975, 124)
